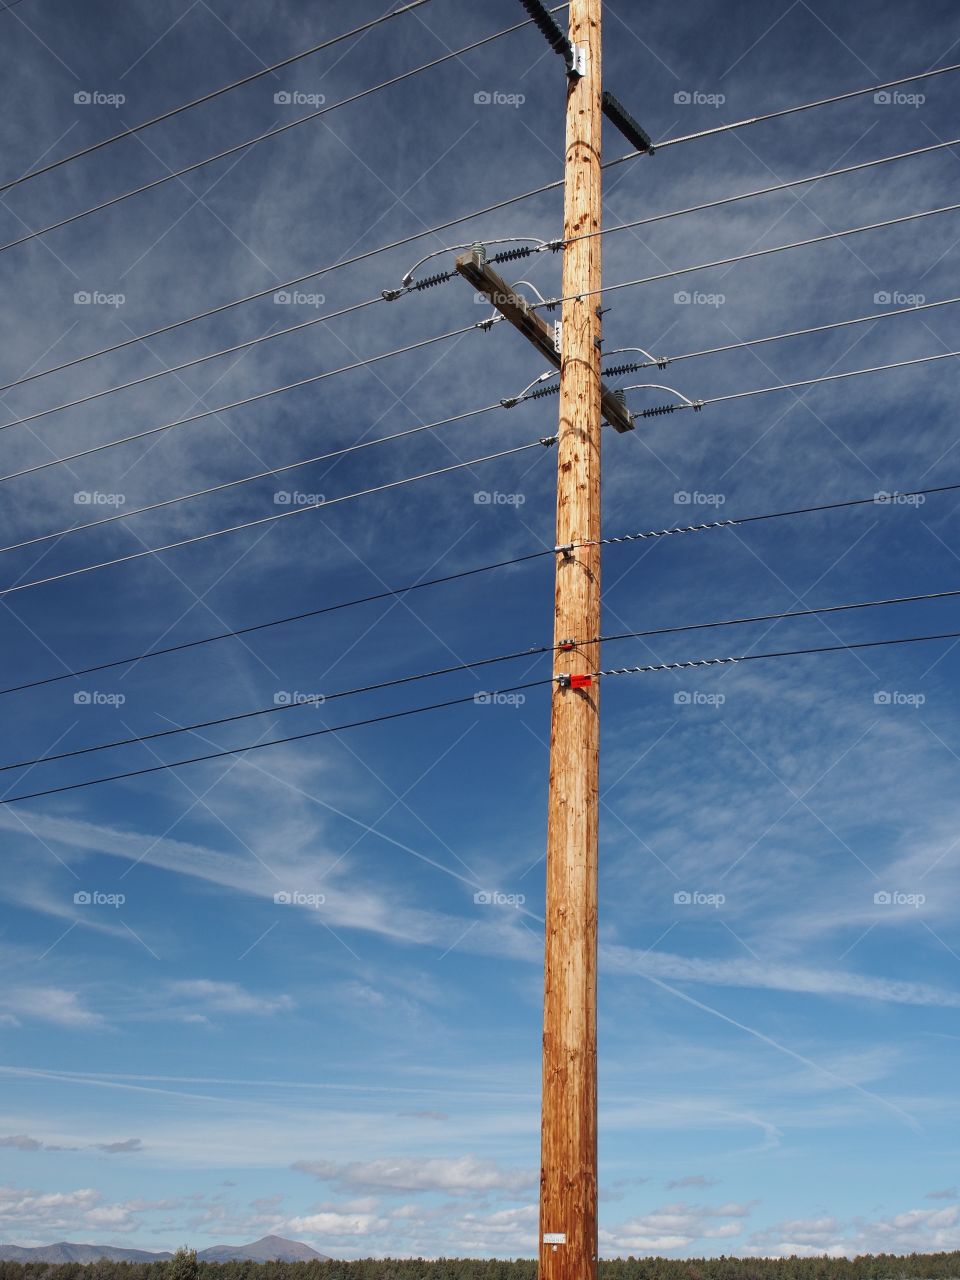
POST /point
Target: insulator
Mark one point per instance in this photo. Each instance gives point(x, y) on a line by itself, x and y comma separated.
point(543, 391)
point(658, 411)
point(616, 370)
point(430, 281)
point(511, 255)
point(548, 28)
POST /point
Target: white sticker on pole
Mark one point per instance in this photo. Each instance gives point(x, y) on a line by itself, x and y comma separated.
point(554, 1237)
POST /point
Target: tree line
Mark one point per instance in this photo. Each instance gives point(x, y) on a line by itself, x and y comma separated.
point(185, 1266)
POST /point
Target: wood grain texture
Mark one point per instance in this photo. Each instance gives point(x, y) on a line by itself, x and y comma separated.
point(568, 1179)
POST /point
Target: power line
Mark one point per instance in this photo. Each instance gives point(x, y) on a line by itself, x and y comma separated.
point(663, 361)
point(347, 262)
point(789, 111)
point(281, 515)
point(262, 137)
point(757, 253)
point(274, 708)
point(237, 404)
point(789, 386)
point(765, 191)
point(190, 364)
point(259, 475)
point(275, 742)
point(392, 593)
point(892, 499)
point(471, 698)
point(208, 97)
point(779, 653)
point(533, 652)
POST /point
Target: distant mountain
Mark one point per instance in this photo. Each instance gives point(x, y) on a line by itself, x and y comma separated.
point(66, 1252)
point(269, 1249)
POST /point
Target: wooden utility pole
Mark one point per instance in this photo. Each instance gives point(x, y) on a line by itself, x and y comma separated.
point(568, 1177)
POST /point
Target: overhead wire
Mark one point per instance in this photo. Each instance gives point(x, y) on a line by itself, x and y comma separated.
point(896, 498)
point(237, 404)
point(536, 651)
point(471, 698)
point(131, 130)
point(271, 519)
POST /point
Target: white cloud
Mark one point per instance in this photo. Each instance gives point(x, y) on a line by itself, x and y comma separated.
point(454, 1175)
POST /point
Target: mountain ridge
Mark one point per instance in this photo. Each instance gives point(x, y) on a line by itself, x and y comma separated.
point(266, 1249)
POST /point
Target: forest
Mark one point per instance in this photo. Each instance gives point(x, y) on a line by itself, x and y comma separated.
point(184, 1266)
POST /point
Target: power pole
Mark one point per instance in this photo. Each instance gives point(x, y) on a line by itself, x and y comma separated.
point(568, 1165)
point(568, 1160)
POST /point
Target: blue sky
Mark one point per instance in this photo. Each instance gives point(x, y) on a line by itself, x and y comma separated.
point(199, 1062)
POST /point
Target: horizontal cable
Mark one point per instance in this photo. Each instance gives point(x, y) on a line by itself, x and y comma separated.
point(262, 137)
point(789, 111)
point(317, 701)
point(469, 699)
point(258, 475)
point(391, 593)
point(791, 386)
point(533, 652)
point(763, 191)
point(191, 364)
point(892, 499)
point(347, 262)
point(779, 653)
point(236, 404)
point(895, 498)
point(745, 257)
point(130, 131)
point(636, 366)
point(275, 742)
point(280, 515)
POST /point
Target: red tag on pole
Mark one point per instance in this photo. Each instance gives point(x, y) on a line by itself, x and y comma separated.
point(580, 682)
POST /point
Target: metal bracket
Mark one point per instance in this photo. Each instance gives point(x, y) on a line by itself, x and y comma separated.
point(558, 336)
point(577, 61)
